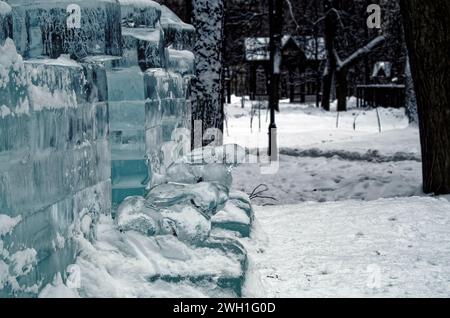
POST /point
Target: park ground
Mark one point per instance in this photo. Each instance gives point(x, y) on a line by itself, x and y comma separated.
point(345, 215)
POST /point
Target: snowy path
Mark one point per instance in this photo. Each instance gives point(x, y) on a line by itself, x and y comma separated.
point(302, 127)
point(322, 163)
point(384, 248)
point(301, 179)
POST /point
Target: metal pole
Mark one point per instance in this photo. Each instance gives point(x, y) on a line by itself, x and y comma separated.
point(276, 28)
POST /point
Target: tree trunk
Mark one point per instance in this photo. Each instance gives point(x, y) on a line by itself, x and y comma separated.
point(207, 92)
point(410, 96)
point(428, 39)
point(327, 84)
point(330, 34)
point(342, 89)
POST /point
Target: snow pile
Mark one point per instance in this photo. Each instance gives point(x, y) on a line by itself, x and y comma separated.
point(4, 8)
point(164, 244)
point(7, 224)
point(57, 289)
point(16, 265)
point(131, 265)
point(323, 179)
point(11, 66)
point(319, 162)
point(303, 126)
point(384, 248)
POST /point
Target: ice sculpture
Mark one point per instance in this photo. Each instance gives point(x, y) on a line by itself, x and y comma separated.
point(54, 164)
point(230, 155)
point(208, 197)
point(137, 14)
point(190, 174)
point(180, 35)
point(42, 28)
point(147, 97)
point(200, 214)
point(5, 22)
point(98, 100)
point(133, 215)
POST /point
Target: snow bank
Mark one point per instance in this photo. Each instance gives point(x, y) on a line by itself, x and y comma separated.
point(7, 224)
point(385, 248)
point(4, 8)
point(133, 265)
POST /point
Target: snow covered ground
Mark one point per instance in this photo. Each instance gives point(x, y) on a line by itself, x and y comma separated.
point(384, 248)
point(302, 126)
point(320, 162)
point(350, 218)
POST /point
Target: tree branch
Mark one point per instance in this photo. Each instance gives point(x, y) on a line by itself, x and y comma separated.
point(360, 53)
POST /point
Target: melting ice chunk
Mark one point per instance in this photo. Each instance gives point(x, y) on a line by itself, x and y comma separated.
point(191, 174)
point(208, 197)
point(133, 215)
point(188, 224)
point(231, 155)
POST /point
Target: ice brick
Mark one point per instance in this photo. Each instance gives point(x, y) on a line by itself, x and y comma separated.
point(146, 45)
point(5, 22)
point(41, 28)
point(233, 218)
point(179, 35)
point(191, 174)
point(138, 13)
point(182, 62)
point(206, 196)
point(161, 84)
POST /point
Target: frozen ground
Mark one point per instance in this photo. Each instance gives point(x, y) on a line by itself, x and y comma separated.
point(320, 162)
point(332, 230)
point(383, 248)
point(307, 127)
point(349, 219)
point(321, 179)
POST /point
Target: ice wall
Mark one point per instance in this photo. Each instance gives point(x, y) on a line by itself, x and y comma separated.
point(147, 96)
point(54, 163)
point(54, 137)
point(87, 118)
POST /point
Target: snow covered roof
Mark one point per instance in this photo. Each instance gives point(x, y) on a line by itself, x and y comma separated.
point(257, 49)
point(385, 67)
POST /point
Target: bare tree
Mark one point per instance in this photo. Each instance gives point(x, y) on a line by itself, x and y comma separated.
point(337, 69)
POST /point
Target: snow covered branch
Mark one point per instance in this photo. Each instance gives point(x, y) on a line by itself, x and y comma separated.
point(360, 53)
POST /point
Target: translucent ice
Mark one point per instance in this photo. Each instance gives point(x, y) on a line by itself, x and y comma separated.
point(182, 62)
point(132, 215)
point(5, 21)
point(191, 174)
point(138, 13)
point(207, 196)
point(186, 223)
point(41, 28)
point(229, 154)
point(179, 35)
